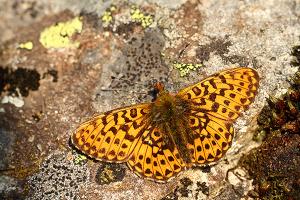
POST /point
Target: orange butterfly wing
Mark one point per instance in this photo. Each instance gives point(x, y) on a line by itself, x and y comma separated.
point(126, 135)
point(153, 159)
point(216, 102)
point(112, 136)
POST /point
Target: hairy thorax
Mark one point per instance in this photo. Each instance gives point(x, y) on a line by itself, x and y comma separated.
point(170, 114)
point(167, 108)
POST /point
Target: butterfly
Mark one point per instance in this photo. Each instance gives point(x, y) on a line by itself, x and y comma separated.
point(159, 139)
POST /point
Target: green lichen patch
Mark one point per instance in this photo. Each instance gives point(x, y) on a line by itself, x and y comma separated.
point(26, 45)
point(138, 16)
point(185, 68)
point(109, 173)
point(107, 16)
point(59, 35)
point(79, 159)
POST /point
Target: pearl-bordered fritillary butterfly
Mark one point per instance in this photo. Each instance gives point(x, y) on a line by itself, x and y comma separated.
point(175, 131)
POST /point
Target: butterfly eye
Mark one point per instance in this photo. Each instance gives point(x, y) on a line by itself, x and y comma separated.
point(153, 93)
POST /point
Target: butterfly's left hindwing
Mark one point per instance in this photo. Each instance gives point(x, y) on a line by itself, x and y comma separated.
point(153, 159)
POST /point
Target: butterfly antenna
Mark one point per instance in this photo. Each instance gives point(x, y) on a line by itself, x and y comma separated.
point(182, 51)
point(112, 90)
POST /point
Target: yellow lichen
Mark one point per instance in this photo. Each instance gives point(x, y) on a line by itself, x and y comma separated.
point(79, 158)
point(59, 35)
point(107, 16)
point(138, 16)
point(184, 68)
point(26, 45)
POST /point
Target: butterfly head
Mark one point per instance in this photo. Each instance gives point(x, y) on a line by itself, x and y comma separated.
point(159, 87)
point(166, 106)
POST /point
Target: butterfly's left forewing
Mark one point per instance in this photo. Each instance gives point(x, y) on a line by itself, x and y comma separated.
point(215, 103)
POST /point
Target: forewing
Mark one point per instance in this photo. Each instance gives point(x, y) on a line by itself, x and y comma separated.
point(112, 136)
point(153, 159)
point(225, 94)
point(215, 104)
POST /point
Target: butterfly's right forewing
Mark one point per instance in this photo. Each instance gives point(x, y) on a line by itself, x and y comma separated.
point(112, 136)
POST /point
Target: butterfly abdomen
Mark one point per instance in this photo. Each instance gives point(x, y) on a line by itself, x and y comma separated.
point(178, 133)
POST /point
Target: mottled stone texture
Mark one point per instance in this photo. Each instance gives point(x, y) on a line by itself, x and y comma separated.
point(114, 66)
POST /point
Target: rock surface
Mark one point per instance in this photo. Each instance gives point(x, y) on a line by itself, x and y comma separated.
point(123, 48)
